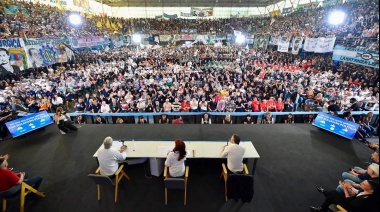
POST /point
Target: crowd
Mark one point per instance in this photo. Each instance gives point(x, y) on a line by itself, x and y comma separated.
point(362, 20)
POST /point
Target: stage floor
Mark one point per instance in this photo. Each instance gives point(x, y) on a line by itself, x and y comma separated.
point(294, 158)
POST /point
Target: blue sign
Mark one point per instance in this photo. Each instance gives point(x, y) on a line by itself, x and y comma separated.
point(28, 123)
point(358, 56)
point(336, 125)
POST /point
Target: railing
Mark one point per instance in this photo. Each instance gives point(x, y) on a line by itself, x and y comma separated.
point(195, 117)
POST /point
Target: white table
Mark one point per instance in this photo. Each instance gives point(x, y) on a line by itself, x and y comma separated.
point(156, 151)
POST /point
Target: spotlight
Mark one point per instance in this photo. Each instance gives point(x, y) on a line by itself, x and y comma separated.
point(136, 38)
point(75, 19)
point(337, 17)
point(240, 39)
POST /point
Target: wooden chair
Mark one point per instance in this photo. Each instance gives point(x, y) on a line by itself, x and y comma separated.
point(224, 174)
point(24, 189)
point(105, 180)
point(175, 183)
point(337, 208)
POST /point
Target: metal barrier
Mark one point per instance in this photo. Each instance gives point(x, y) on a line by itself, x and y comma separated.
point(195, 117)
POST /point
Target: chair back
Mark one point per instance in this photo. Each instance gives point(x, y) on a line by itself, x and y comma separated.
point(240, 186)
point(174, 183)
point(10, 192)
point(101, 179)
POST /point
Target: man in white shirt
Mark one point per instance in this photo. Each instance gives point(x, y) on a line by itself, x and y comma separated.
point(234, 154)
point(109, 157)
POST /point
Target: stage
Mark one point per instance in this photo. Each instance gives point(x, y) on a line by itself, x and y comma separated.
point(293, 159)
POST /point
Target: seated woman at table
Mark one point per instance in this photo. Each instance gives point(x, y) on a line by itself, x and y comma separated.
point(175, 159)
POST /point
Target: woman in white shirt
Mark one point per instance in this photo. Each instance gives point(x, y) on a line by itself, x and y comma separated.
point(175, 159)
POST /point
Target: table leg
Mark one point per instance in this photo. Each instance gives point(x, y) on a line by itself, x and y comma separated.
point(254, 166)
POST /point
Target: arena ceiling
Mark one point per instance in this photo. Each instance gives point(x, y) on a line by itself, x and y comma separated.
point(188, 3)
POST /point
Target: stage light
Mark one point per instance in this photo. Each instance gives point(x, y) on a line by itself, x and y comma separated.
point(337, 17)
point(240, 39)
point(75, 19)
point(136, 38)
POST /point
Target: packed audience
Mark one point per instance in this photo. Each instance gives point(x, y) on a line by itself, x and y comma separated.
point(362, 21)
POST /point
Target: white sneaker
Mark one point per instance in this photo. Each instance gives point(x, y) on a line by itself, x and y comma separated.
point(63, 133)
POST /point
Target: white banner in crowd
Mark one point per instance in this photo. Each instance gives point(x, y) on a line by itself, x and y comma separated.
point(274, 40)
point(13, 49)
point(46, 51)
point(310, 44)
point(325, 45)
point(297, 43)
point(283, 44)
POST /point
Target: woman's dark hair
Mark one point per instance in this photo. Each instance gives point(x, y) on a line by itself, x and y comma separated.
point(180, 147)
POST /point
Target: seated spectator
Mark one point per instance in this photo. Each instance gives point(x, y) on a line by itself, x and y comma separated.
point(361, 200)
point(164, 119)
point(109, 157)
point(142, 120)
point(221, 106)
point(333, 106)
point(227, 119)
point(177, 120)
point(358, 175)
point(289, 119)
point(119, 121)
point(63, 121)
point(268, 119)
point(280, 105)
point(248, 120)
point(309, 119)
point(206, 119)
point(81, 119)
point(100, 120)
point(175, 159)
point(8, 178)
point(366, 121)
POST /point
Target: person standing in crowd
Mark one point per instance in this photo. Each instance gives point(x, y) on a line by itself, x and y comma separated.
point(234, 154)
point(206, 119)
point(175, 159)
point(109, 157)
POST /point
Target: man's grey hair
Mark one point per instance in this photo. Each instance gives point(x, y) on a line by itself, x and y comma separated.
point(107, 142)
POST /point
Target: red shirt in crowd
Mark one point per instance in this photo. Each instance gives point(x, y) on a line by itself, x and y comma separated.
point(185, 106)
point(263, 105)
point(271, 105)
point(8, 179)
point(255, 105)
point(279, 106)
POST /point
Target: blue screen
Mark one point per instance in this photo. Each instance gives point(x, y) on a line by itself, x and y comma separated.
point(336, 125)
point(28, 123)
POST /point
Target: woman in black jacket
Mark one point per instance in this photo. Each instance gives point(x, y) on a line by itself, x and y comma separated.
point(362, 200)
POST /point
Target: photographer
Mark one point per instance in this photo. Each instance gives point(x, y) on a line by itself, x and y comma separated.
point(63, 120)
point(5, 116)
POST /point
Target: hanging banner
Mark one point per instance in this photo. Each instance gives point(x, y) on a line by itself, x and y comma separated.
point(261, 42)
point(81, 3)
point(358, 56)
point(310, 44)
point(297, 43)
point(325, 45)
point(88, 42)
point(165, 38)
point(202, 12)
point(283, 44)
point(187, 37)
point(117, 40)
point(274, 41)
point(47, 51)
point(13, 57)
point(287, 10)
point(275, 13)
point(185, 14)
point(170, 16)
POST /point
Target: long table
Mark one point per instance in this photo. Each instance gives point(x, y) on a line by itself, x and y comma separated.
point(156, 151)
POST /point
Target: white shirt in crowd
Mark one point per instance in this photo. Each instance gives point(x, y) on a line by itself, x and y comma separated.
point(176, 168)
point(57, 101)
point(108, 160)
point(234, 154)
point(105, 108)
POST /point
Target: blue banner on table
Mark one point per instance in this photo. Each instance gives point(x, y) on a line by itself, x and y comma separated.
point(360, 56)
point(336, 125)
point(28, 123)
